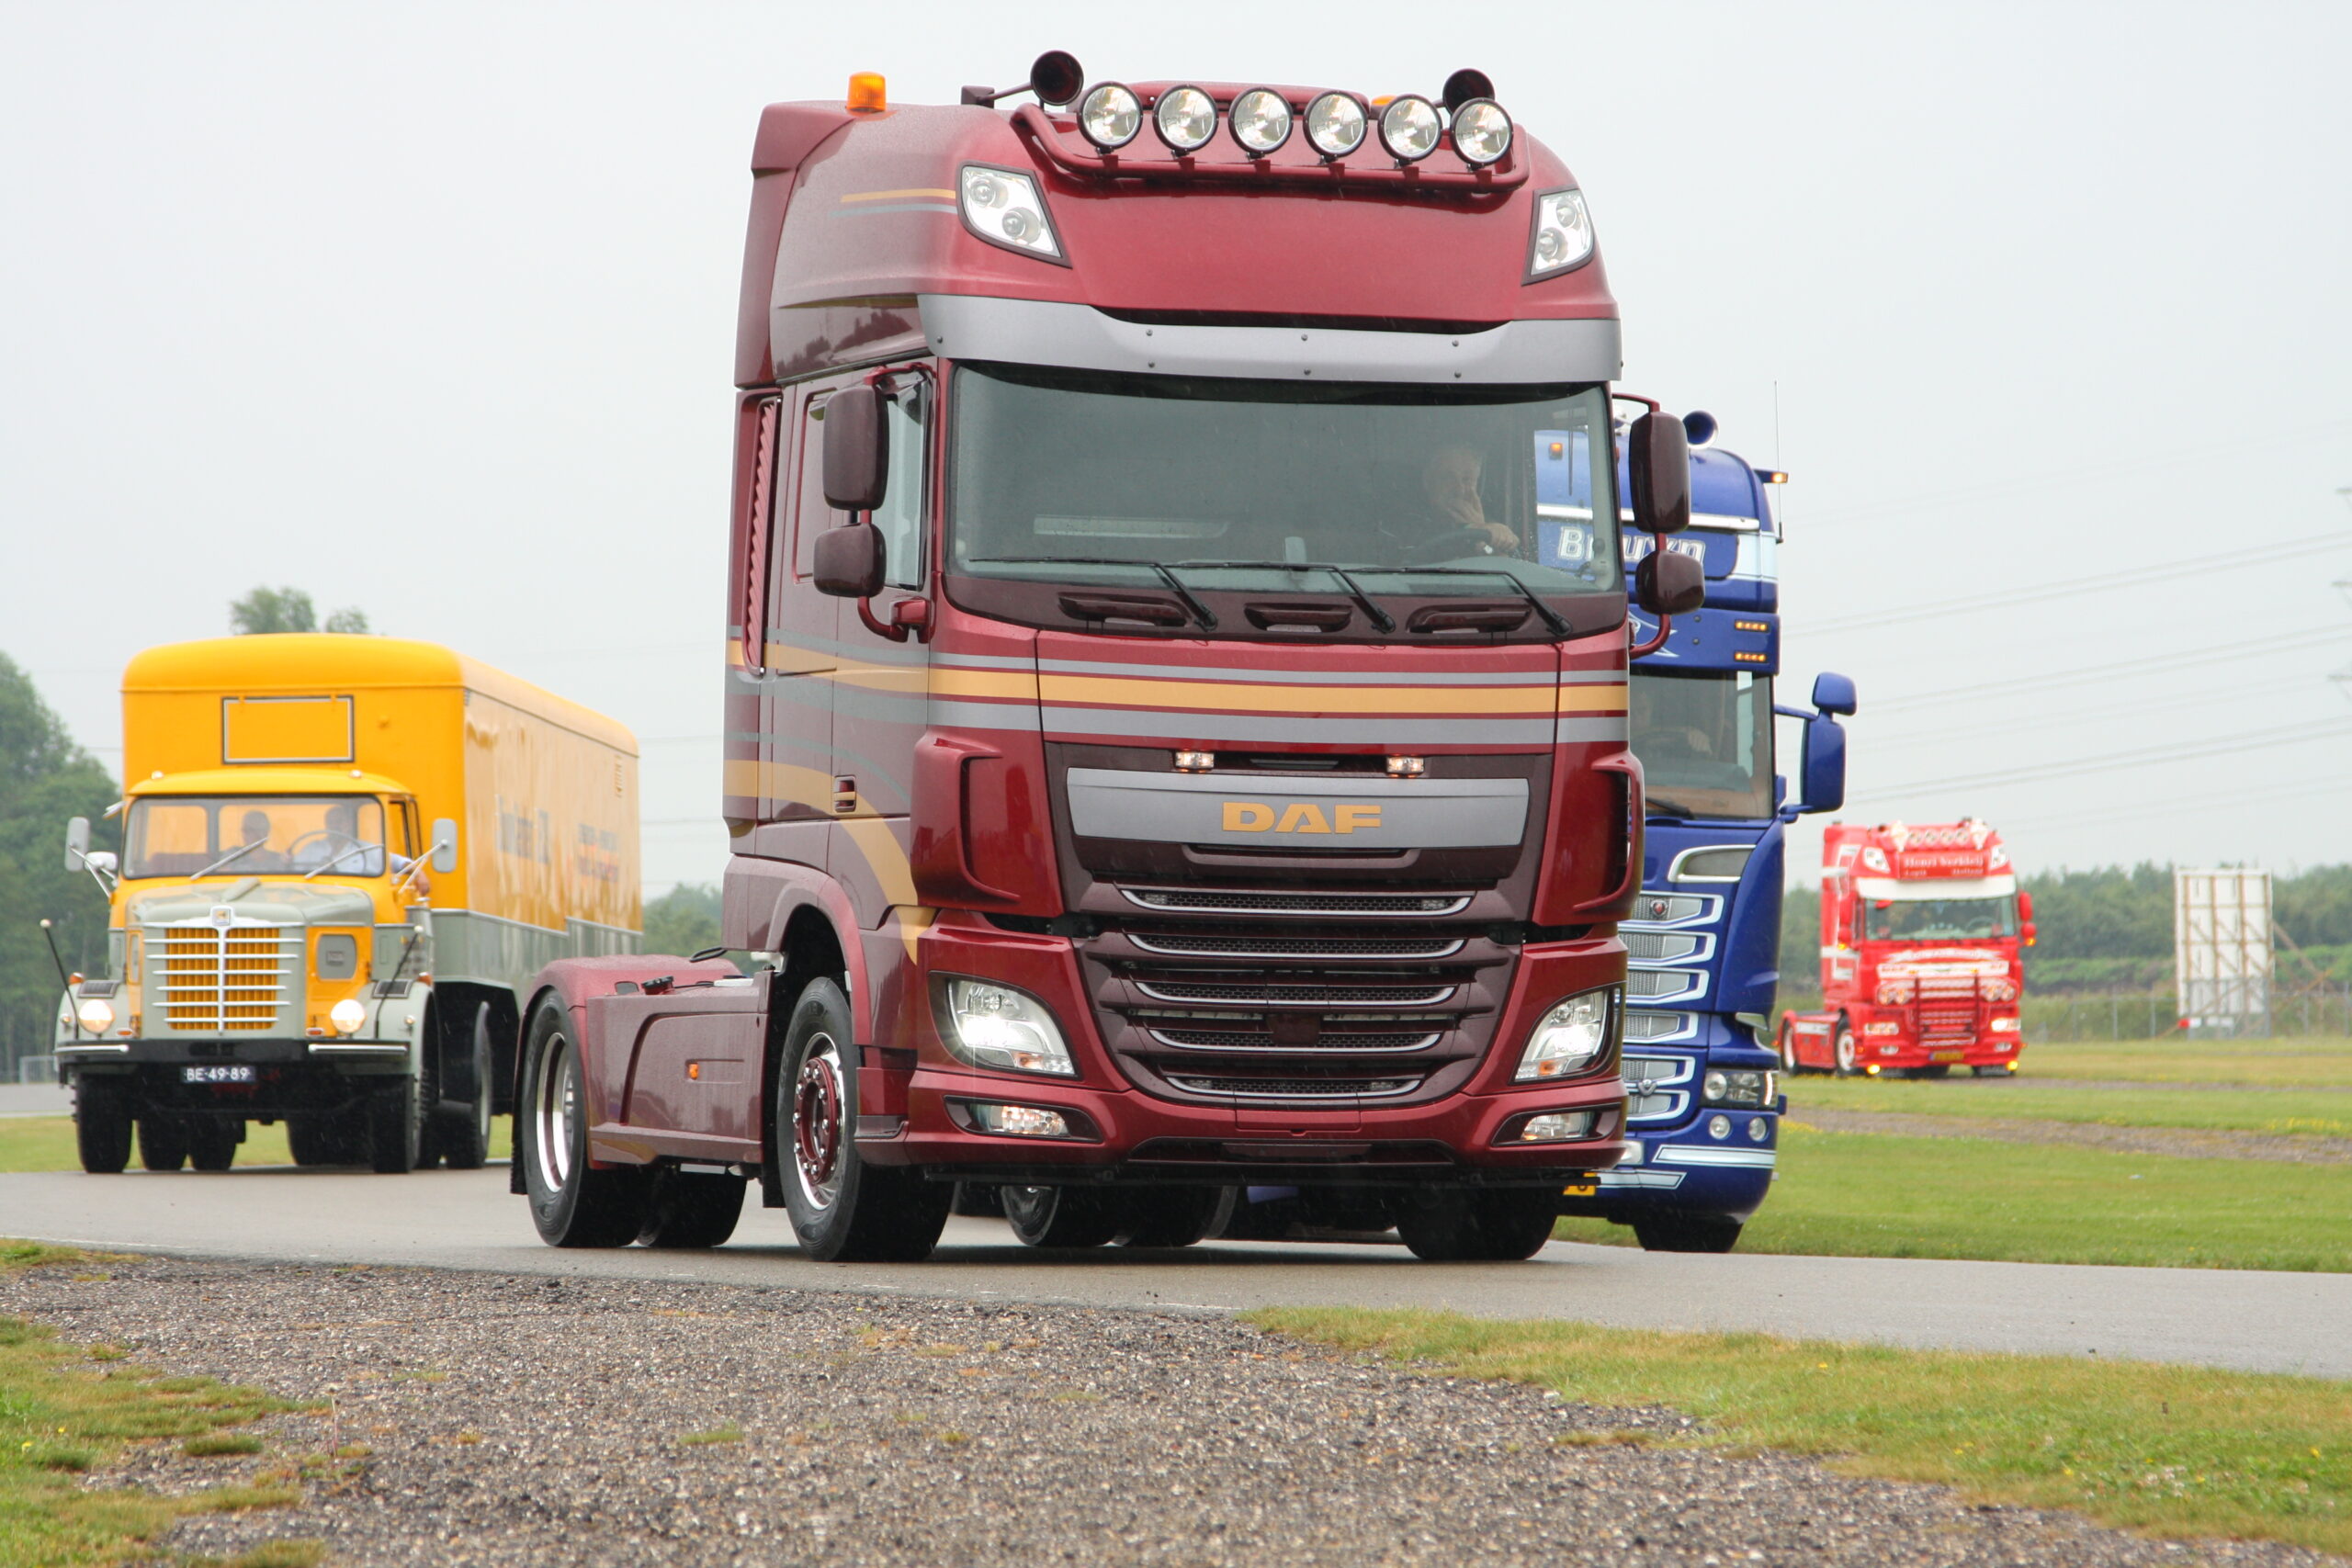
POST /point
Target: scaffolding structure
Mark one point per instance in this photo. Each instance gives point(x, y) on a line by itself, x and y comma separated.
point(2221, 953)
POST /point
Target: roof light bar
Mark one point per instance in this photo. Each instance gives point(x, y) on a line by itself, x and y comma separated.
point(1336, 124)
point(1261, 121)
point(1482, 133)
point(1110, 115)
point(1185, 118)
point(1409, 128)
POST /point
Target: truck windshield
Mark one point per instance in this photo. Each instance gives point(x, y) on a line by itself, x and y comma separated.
point(1940, 919)
point(245, 834)
point(1705, 742)
point(1069, 477)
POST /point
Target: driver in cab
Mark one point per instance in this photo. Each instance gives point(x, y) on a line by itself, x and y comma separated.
point(1452, 522)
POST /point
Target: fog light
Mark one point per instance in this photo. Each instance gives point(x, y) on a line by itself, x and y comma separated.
point(1407, 767)
point(1758, 1130)
point(987, 1026)
point(95, 1013)
point(1719, 1126)
point(1261, 121)
point(1556, 1127)
point(1185, 118)
point(1019, 1120)
point(1410, 129)
point(1336, 124)
point(1196, 761)
point(1871, 1069)
point(1110, 115)
point(346, 1016)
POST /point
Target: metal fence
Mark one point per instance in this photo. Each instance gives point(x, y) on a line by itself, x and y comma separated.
point(2154, 1015)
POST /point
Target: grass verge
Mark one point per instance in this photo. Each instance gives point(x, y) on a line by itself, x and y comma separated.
point(46, 1143)
point(2310, 1113)
point(65, 1410)
point(1867, 1195)
point(2172, 1451)
point(2283, 1062)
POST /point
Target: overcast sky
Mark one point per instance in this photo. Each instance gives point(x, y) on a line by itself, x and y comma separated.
point(428, 309)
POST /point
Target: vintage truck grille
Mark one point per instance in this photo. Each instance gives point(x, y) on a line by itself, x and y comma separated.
point(215, 981)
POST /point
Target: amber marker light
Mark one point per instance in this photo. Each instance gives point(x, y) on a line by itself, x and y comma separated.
point(867, 93)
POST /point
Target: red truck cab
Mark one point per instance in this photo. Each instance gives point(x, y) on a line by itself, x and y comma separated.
point(1169, 751)
point(1922, 933)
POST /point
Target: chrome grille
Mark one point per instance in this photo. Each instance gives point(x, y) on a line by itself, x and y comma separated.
point(1641, 1025)
point(1254, 945)
point(1294, 1088)
point(1372, 905)
point(1259, 993)
point(1650, 1095)
point(1663, 985)
point(1947, 1021)
point(1665, 947)
point(1259, 1040)
point(216, 981)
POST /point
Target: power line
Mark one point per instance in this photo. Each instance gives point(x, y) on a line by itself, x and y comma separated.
point(2092, 673)
point(2138, 577)
point(2180, 802)
point(2041, 721)
point(2249, 740)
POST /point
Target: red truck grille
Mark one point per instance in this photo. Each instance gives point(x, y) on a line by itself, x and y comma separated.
point(1947, 1019)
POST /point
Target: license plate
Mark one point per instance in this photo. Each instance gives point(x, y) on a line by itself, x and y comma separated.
point(240, 1073)
point(1948, 1056)
point(1581, 1189)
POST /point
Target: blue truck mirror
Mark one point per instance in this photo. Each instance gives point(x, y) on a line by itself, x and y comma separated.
point(1825, 765)
point(1833, 693)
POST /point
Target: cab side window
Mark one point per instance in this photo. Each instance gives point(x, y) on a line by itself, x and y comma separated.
point(900, 514)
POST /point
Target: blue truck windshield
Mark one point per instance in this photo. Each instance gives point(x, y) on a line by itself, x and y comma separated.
point(1069, 477)
point(1705, 742)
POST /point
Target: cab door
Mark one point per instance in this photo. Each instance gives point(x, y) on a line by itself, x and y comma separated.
point(801, 651)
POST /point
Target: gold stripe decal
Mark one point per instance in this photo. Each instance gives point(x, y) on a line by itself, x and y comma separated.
point(899, 196)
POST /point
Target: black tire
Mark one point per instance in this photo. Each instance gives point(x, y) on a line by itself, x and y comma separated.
point(843, 1209)
point(685, 1209)
point(1941, 1069)
point(212, 1141)
point(1994, 1073)
point(396, 1126)
point(572, 1203)
point(327, 1137)
point(1788, 1045)
point(462, 1127)
point(1507, 1225)
point(1848, 1050)
point(163, 1142)
point(1175, 1217)
point(1673, 1231)
point(1064, 1217)
point(102, 1124)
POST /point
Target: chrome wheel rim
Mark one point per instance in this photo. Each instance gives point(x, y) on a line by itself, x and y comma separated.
point(1847, 1055)
point(555, 1114)
point(817, 1130)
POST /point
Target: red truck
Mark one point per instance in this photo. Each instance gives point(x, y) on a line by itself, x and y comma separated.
point(1173, 758)
point(1923, 939)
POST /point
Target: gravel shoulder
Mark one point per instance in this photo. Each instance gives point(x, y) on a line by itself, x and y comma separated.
point(2183, 1143)
point(537, 1420)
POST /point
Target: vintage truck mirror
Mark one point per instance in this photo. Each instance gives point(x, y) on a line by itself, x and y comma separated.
point(1825, 764)
point(857, 449)
point(1833, 693)
point(1669, 583)
point(445, 845)
point(77, 842)
point(1657, 456)
point(850, 560)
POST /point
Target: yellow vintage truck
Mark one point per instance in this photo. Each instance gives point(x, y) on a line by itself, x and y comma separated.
point(344, 859)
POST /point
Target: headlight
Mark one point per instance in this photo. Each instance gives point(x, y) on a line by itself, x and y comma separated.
point(1481, 132)
point(96, 1014)
point(1740, 1087)
point(1570, 1037)
point(1185, 118)
point(1894, 993)
point(1261, 121)
point(1409, 129)
point(1110, 115)
point(1335, 124)
point(1996, 990)
point(1562, 235)
point(347, 1015)
point(1004, 208)
point(2005, 1026)
point(987, 1026)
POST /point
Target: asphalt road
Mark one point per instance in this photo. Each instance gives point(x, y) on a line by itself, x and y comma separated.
point(2268, 1322)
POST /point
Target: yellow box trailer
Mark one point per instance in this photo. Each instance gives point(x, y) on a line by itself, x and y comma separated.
point(344, 860)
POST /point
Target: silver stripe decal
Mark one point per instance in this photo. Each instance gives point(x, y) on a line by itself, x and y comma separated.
point(1318, 678)
point(1581, 731)
point(986, 716)
point(1685, 1154)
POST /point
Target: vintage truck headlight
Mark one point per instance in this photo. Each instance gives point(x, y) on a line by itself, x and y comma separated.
point(346, 1016)
point(1570, 1037)
point(984, 1024)
point(96, 1014)
point(1725, 1086)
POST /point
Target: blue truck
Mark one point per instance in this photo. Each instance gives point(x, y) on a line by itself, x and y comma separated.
point(1703, 1101)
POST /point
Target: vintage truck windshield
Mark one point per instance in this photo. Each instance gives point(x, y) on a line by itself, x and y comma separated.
point(1069, 477)
point(1940, 919)
point(1705, 742)
point(243, 835)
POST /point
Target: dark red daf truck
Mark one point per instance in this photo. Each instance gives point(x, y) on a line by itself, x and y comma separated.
point(1176, 759)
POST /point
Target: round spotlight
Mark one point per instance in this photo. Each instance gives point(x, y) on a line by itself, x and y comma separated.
point(1481, 132)
point(95, 1014)
point(347, 1015)
point(1335, 125)
point(1410, 129)
point(1185, 118)
point(1110, 115)
point(1261, 121)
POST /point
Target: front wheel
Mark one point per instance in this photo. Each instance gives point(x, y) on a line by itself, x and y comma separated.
point(1788, 1045)
point(1850, 1050)
point(162, 1141)
point(690, 1209)
point(1175, 1216)
point(1450, 1227)
point(396, 1126)
point(102, 1124)
point(572, 1203)
point(212, 1141)
point(1063, 1216)
point(1686, 1233)
point(462, 1127)
point(843, 1209)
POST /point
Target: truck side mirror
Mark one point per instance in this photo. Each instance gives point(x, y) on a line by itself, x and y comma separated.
point(1825, 764)
point(849, 561)
point(857, 449)
point(77, 842)
point(445, 845)
point(1833, 693)
point(1657, 458)
point(1669, 583)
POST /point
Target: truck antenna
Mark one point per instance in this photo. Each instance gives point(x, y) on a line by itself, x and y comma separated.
point(48, 930)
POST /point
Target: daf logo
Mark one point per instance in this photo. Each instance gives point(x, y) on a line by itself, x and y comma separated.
point(1299, 816)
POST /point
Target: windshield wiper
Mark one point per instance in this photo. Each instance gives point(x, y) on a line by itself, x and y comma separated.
point(1380, 618)
point(1559, 627)
point(359, 846)
point(224, 860)
point(1657, 807)
point(1198, 611)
